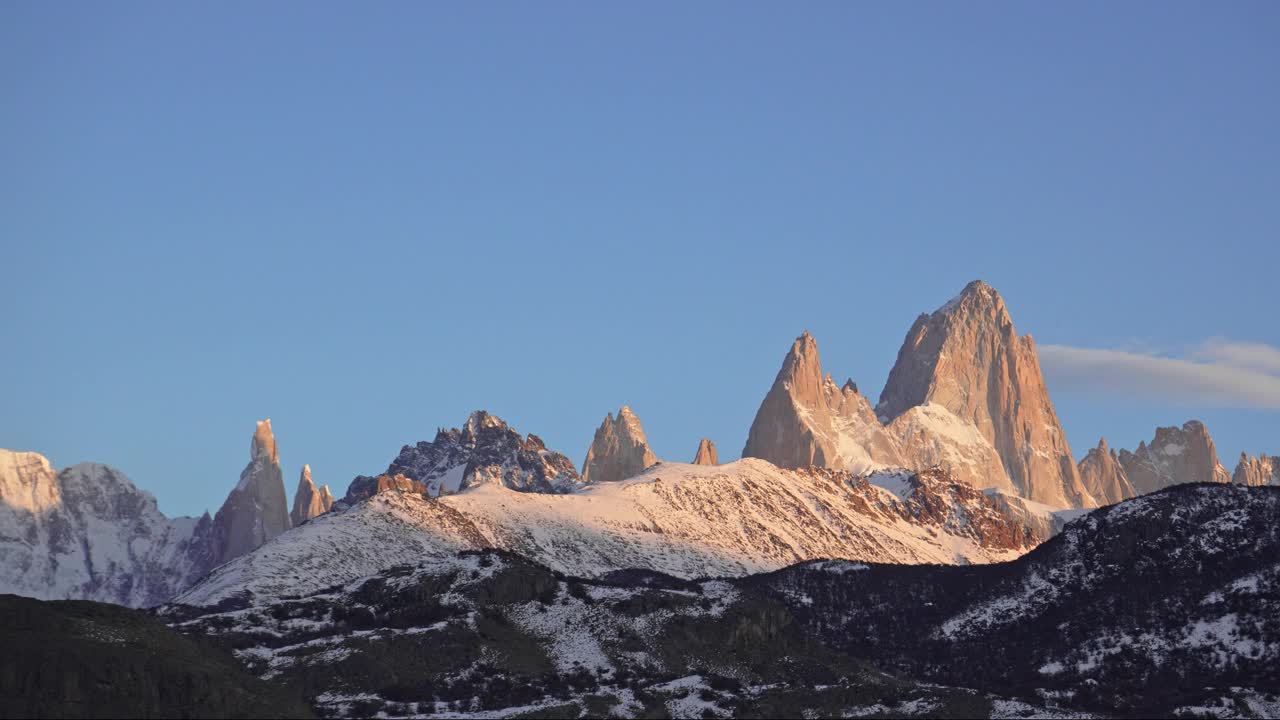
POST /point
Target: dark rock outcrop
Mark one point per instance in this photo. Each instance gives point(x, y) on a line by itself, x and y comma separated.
point(484, 449)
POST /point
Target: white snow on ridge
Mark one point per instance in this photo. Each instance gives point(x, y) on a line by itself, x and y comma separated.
point(685, 520)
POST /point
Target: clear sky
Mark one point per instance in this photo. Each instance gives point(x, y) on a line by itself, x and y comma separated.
point(364, 220)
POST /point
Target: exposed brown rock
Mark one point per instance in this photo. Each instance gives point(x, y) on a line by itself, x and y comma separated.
point(1175, 456)
point(806, 419)
point(308, 502)
point(256, 510)
point(1104, 477)
point(1255, 471)
point(366, 487)
point(706, 454)
point(967, 358)
point(619, 449)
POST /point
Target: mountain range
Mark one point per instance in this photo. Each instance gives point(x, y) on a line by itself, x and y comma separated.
point(850, 540)
point(965, 408)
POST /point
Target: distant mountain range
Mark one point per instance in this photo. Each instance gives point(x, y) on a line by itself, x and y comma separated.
point(965, 407)
point(945, 535)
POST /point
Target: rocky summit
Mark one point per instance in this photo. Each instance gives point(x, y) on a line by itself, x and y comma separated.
point(256, 510)
point(1256, 471)
point(619, 449)
point(1174, 456)
point(484, 449)
point(807, 419)
point(1103, 475)
point(966, 357)
point(308, 502)
point(706, 454)
point(88, 532)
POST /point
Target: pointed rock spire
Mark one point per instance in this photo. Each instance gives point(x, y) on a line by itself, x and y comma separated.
point(619, 449)
point(308, 502)
point(793, 427)
point(706, 454)
point(1255, 471)
point(1104, 477)
point(256, 510)
point(967, 358)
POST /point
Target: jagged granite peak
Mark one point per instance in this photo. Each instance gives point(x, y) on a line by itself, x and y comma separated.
point(619, 449)
point(1103, 475)
point(967, 358)
point(309, 502)
point(1257, 471)
point(1175, 456)
point(484, 449)
point(706, 454)
point(87, 532)
point(806, 419)
point(256, 510)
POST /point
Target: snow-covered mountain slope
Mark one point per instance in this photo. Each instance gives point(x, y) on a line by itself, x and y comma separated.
point(87, 533)
point(683, 520)
point(1133, 609)
point(485, 448)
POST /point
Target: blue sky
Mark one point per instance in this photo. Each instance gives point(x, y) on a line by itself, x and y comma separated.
point(364, 221)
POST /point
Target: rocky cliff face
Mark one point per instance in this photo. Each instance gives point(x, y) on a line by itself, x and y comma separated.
point(967, 358)
point(485, 449)
point(256, 510)
point(1104, 477)
point(87, 532)
point(806, 419)
point(619, 449)
point(1175, 456)
point(1257, 471)
point(706, 454)
point(308, 502)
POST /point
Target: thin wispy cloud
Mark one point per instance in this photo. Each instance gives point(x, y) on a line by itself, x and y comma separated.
point(1217, 372)
point(1256, 356)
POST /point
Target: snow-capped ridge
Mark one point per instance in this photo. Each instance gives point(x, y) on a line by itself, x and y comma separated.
point(766, 518)
point(87, 532)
